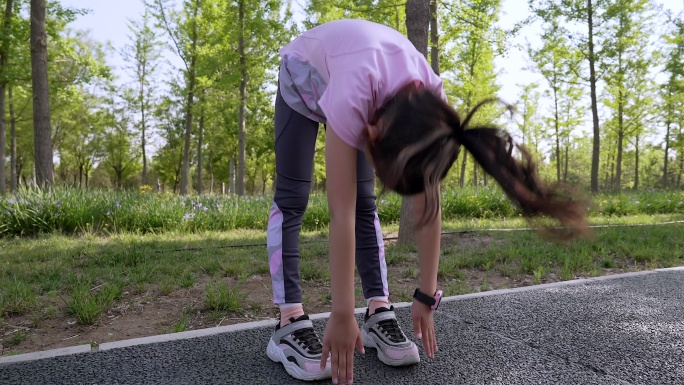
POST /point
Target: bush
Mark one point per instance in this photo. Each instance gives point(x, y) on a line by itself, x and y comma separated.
point(71, 211)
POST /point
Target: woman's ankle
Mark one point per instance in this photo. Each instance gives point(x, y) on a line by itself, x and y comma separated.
point(290, 310)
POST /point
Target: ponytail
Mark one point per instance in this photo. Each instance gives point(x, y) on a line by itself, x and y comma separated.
point(492, 149)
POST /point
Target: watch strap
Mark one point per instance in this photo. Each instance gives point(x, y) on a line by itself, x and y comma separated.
point(424, 298)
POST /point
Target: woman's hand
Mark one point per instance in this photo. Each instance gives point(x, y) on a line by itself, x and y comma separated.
point(341, 335)
point(424, 327)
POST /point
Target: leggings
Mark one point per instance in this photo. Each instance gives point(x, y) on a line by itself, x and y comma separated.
point(295, 142)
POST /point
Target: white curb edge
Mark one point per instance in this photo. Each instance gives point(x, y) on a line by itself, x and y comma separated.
point(271, 322)
point(44, 354)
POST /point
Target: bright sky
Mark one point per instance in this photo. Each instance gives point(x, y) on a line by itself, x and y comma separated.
point(108, 20)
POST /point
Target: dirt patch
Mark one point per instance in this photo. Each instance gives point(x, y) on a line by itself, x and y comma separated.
point(151, 312)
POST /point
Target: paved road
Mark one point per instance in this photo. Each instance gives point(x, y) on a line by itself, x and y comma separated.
point(627, 330)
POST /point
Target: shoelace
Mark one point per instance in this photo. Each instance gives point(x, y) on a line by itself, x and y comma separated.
point(391, 328)
point(308, 339)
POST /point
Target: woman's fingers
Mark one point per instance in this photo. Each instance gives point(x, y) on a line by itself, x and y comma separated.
point(324, 356)
point(335, 364)
point(350, 365)
point(342, 366)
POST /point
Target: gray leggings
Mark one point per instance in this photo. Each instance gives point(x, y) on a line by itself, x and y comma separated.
point(295, 142)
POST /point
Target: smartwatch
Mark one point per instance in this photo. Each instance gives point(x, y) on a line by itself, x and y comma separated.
point(432, 301)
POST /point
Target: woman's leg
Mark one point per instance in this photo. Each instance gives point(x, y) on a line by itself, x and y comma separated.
point(370, 250)
point(295, 143)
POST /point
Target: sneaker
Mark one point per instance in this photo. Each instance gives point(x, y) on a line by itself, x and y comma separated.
point(299, 349)
point(382, 332)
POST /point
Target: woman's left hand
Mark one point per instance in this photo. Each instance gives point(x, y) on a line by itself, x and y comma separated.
point(424, 327)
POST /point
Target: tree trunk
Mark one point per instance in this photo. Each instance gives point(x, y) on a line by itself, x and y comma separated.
point(4, 52)
point(242, 140)
point(14, 181)
point(636, 163)
point(3, 135)
point(185, 175)
point(461, 179)
point(231, 175)
point(668, 125)
point(594, 103)
point(434, 38)
point(211, 171)
point(417, 25)
point(618, 161)
point(142, 129)
point(199, 148)
point(556, 121)
point(476, 182)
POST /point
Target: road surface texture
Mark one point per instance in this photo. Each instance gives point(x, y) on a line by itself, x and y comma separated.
point(626, 329)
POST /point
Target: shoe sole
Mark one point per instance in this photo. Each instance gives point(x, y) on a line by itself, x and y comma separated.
point(369, 342)
point(277, 355)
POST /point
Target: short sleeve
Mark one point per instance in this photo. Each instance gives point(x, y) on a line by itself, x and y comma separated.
point(347, 103)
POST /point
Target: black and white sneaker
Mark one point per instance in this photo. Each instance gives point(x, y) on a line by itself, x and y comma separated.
point(382, 332)
point(299, 349)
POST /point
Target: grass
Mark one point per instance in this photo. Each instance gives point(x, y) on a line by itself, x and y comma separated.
point(77, 253)
point(222, 298)
point(75, 211)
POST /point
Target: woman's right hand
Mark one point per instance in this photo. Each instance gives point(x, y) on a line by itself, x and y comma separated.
point(341, 335)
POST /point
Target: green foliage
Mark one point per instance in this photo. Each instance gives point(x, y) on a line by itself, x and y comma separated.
point(223, 298)
point(73, 211)
point(86, 302)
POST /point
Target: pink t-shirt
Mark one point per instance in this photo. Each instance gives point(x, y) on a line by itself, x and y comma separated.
point(341, 72)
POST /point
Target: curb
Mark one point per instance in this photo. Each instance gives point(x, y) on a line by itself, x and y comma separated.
point(270, 322)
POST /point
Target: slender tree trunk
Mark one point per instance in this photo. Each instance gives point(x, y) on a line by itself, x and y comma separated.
point(142, 129)
point(618, 161)
point(199, 148)
point(231, 175)
point(3, 135)
point(242, 140)
point(594, 103)
point(211, 170)
point(681, 167)
point(556, 125)
point(464, 161)
point(668, 125)
point(185, 175)
point(434, 38)
point(14, 181)
point(476, 182)
point(636, 163)
point(417, 25)
point(565, 162)
point(4, 53)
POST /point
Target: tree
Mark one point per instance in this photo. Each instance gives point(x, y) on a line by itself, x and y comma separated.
point(572, 15)
point(41, 99)
point(120, 156)
point(531, 125)
point(143, 56)
point(474, 39)
point(5, 43)
point(625, 55)
point(417, 26)
point(672, 91)
point(558, 63)
point(183, 30)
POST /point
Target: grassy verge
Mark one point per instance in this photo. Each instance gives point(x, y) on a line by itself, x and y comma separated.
point(82, 277)
point(73, 211)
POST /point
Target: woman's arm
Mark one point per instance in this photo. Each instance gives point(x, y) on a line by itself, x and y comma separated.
point(342, 333)
point(340, 163)
point(428, 240)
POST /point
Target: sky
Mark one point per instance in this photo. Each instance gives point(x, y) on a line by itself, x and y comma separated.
point(107, 22)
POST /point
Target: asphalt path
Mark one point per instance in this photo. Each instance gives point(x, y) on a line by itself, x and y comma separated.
point(626, 329)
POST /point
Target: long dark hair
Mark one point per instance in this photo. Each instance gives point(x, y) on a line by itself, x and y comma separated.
point(420, 139)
